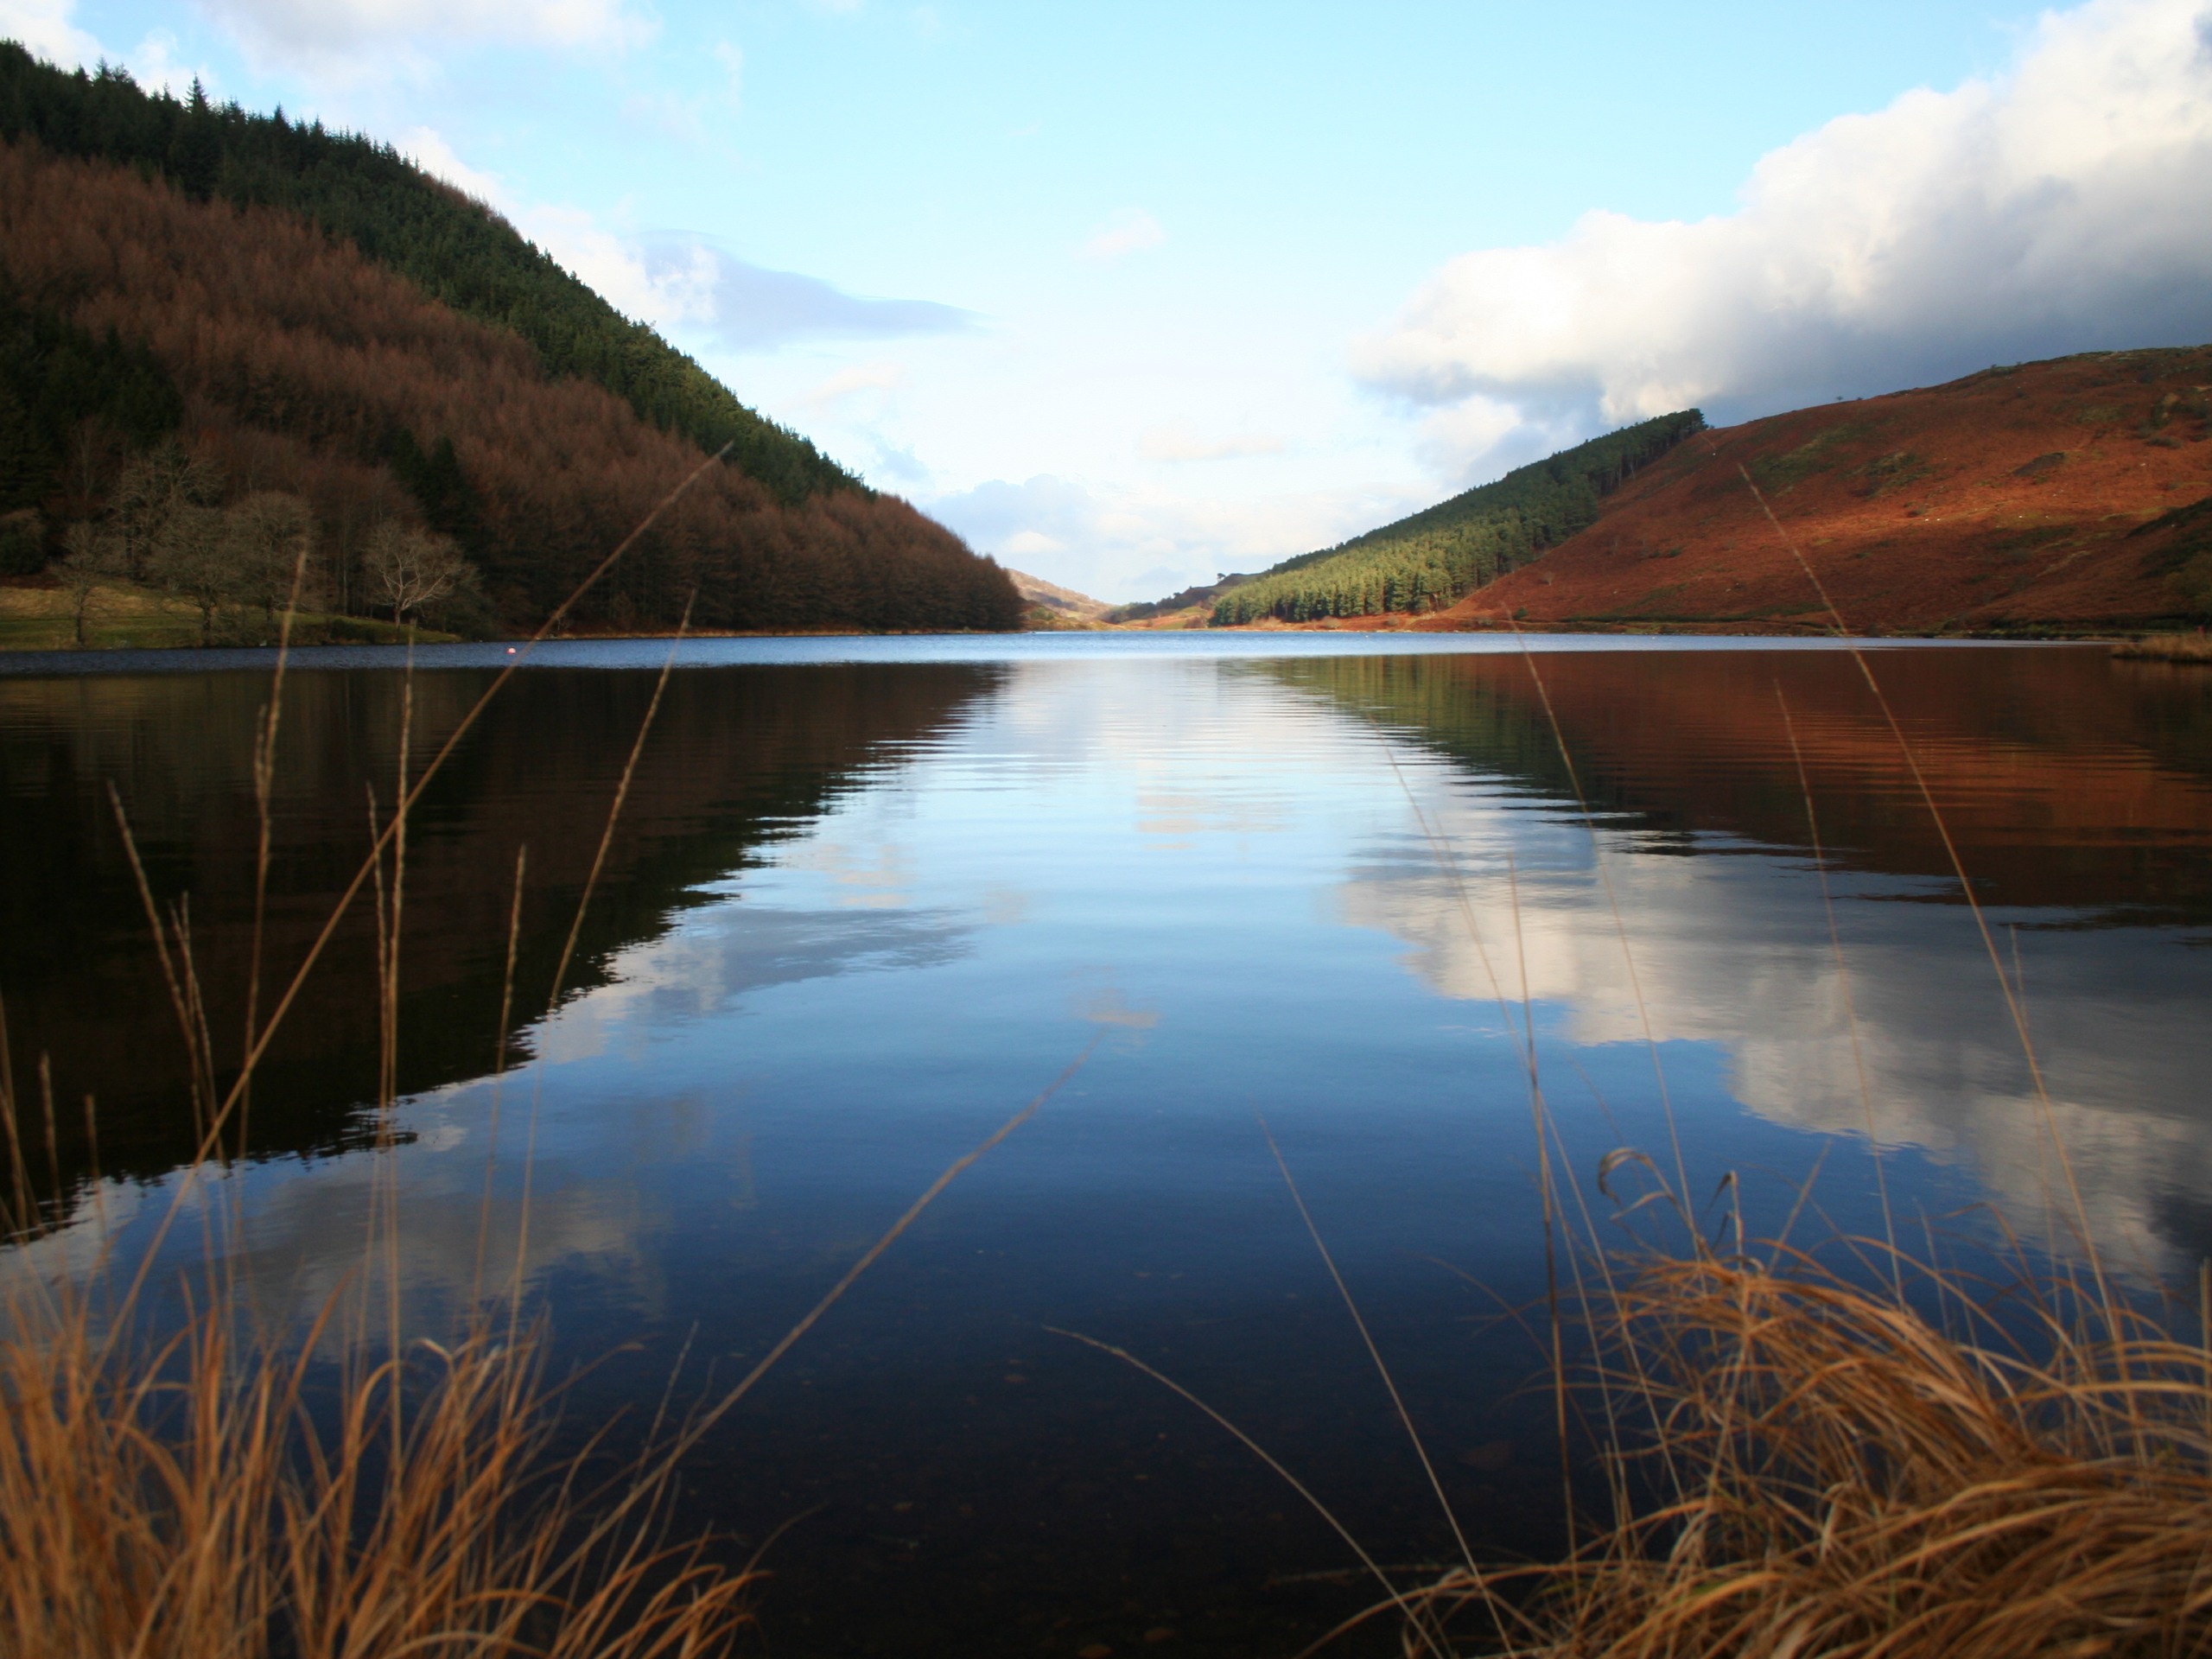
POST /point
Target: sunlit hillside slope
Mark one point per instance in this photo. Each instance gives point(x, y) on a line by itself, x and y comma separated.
point(2069, 495)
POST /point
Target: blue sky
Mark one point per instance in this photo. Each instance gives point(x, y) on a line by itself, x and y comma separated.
point(1133, 294)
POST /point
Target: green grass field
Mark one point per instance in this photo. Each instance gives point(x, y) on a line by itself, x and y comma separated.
point(126, 616)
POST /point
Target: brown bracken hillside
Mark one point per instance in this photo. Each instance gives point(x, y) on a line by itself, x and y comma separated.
point(2069, 496)
point(303, 367)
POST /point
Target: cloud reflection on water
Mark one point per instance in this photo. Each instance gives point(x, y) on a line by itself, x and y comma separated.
point(596, 1185)
point(1729, 947)
point(1210, 867)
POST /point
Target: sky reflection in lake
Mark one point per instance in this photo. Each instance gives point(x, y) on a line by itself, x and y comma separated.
point(1316, 889)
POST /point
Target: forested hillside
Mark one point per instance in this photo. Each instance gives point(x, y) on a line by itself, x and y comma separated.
point(455, 250)
point(192, 390)
point(1428, 560)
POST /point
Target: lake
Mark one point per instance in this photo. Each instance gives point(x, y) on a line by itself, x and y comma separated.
point(869, 897)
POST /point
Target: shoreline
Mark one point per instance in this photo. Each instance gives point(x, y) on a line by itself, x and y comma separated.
point(31, 633)
point(2144, 646)
point(28, 630)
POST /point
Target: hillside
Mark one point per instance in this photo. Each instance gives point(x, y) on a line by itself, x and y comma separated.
point(454, 249)
point(1046, 605)
point(178, 375)
point(1427, 561)
point(2068, 495)
point(1190, 607)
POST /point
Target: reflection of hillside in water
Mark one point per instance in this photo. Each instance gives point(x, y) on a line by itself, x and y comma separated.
point(738, 757)
point(2078, 794)
point(2066, 779)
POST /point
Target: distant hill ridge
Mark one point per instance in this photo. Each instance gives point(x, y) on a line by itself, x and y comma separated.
point(453, 248)
point(1427, 561)
point(1050, 606)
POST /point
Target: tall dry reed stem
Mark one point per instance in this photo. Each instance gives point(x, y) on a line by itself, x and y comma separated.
point(2037, 1481)
point(197, 1498)
point(190, 1495)
point(208, 1493)
point(1854, 1469)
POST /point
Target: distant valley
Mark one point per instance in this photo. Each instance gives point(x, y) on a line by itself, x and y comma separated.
point(1047, 606)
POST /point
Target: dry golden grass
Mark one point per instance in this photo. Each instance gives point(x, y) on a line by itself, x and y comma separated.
point(191, 1485)
point(2167, 648)
point(194, 1485)
point(178, 1481)
point(1805, 1464)
point(196, 1497)
point(1801, 1465)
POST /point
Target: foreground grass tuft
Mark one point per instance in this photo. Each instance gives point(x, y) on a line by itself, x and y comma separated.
point(1802, 1466)
point(196, 1497)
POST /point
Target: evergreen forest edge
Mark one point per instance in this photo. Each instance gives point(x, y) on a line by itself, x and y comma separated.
point(1430, 559)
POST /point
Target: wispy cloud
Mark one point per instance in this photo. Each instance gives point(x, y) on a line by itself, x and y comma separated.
point(881, 375)
point(684, 282)
point(684, 118)
point(748, 308)
point(1129, 231)
point(2065, 205)
point(346, 40)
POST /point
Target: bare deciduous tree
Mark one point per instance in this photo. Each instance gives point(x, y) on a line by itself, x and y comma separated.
point(409, 569)
point(93, 560)
point(153, 488)
point(193, 557)
point(270, 539)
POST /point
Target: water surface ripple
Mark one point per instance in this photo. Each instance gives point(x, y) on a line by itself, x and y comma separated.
point(869, 896)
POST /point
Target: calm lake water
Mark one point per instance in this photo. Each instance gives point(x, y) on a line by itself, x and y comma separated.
point(869, 897)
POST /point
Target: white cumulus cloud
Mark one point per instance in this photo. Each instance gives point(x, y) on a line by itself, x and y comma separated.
point(156, 67)
point(2065, 205)
point(49, 29)
point(427, 148)
point(46, 29)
